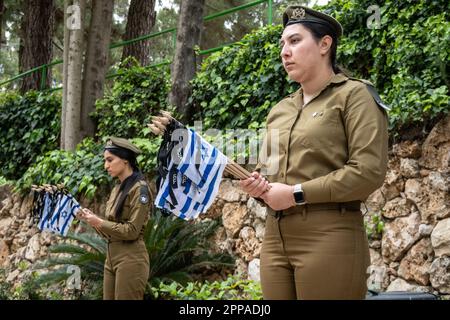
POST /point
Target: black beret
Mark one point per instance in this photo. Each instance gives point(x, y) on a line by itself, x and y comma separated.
point(299, 14)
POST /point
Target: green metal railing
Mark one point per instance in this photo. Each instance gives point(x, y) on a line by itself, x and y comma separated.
point(43, 68)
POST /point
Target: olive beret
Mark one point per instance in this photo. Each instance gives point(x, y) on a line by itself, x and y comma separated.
point(299, 14)
point(114, 143)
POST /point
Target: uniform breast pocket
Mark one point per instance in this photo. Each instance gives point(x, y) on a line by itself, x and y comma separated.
point(321, 128)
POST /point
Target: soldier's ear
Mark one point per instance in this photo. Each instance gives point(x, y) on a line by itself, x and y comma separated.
point(325, 44)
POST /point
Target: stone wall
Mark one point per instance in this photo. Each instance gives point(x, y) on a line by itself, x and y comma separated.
point(411, 253)
point(21, 243)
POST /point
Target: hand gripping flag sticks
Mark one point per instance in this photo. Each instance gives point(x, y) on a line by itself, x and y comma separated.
point(54, 208)
point(190, 169)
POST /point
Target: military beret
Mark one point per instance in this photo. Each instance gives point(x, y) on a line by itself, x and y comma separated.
point(115, 143)
point(299, 14)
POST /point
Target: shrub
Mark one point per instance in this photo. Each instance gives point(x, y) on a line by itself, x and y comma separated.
point(405, 58)
point(28, 289)
point(374, 225)
point(86, 251)
point(233, 288)
point(147, 161)
point(176, 249)
point(137, 94)
point(3, 181)
point(237, 86)
point(29, 127)
point(81, 171)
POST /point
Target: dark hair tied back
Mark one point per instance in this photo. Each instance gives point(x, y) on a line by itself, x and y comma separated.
point(319, 31)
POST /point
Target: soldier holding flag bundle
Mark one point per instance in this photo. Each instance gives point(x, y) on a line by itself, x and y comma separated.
point(332, 156)
point(127, 211)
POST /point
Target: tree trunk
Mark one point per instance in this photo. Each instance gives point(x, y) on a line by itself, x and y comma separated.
point(37, 28)
point(74, 70)
point(96, 61)
point(140, 21)
point(65, 75)
point(2, 9)
point(190, 25)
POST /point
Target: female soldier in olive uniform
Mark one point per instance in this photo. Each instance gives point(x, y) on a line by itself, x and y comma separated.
point(127, 263)
point(332, 155)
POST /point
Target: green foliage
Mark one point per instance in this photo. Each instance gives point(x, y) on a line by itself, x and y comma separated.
point(147, 160)
point(81, 171)
point(5, 287)
point(86, 251)
point(178, 248)
point(374, 226)
point(3, 181)
point(28, 289)
point(233, 288)
point(406, 58)
point(138, 93)
point(237, 87)
point(29, 127)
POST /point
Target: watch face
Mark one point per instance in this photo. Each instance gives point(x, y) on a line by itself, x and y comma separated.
point(298, 196)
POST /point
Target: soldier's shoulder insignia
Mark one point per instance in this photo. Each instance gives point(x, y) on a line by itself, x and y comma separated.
point(377, 97)
point(144, 194)
point(373, 92)
point(143, 199)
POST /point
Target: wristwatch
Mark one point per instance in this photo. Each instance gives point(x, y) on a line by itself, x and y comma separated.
point(298, 195)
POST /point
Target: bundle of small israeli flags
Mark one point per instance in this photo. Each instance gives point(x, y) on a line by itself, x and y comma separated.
point(54, 211)
point(194, 173)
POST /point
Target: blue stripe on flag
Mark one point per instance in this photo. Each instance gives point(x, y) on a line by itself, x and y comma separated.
point(69, 219)
point(208, 168)
point(45, 210)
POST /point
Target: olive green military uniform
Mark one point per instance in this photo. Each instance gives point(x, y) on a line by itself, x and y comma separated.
point(127, 263)
point(335, 146)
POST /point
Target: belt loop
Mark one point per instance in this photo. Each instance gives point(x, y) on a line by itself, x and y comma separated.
point(342, 208)
point(304, 212)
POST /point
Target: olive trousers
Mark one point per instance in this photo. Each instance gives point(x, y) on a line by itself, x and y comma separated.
point(126, 271)
point(320, 255)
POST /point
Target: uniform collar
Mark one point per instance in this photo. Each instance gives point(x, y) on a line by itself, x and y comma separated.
point(336, 79)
